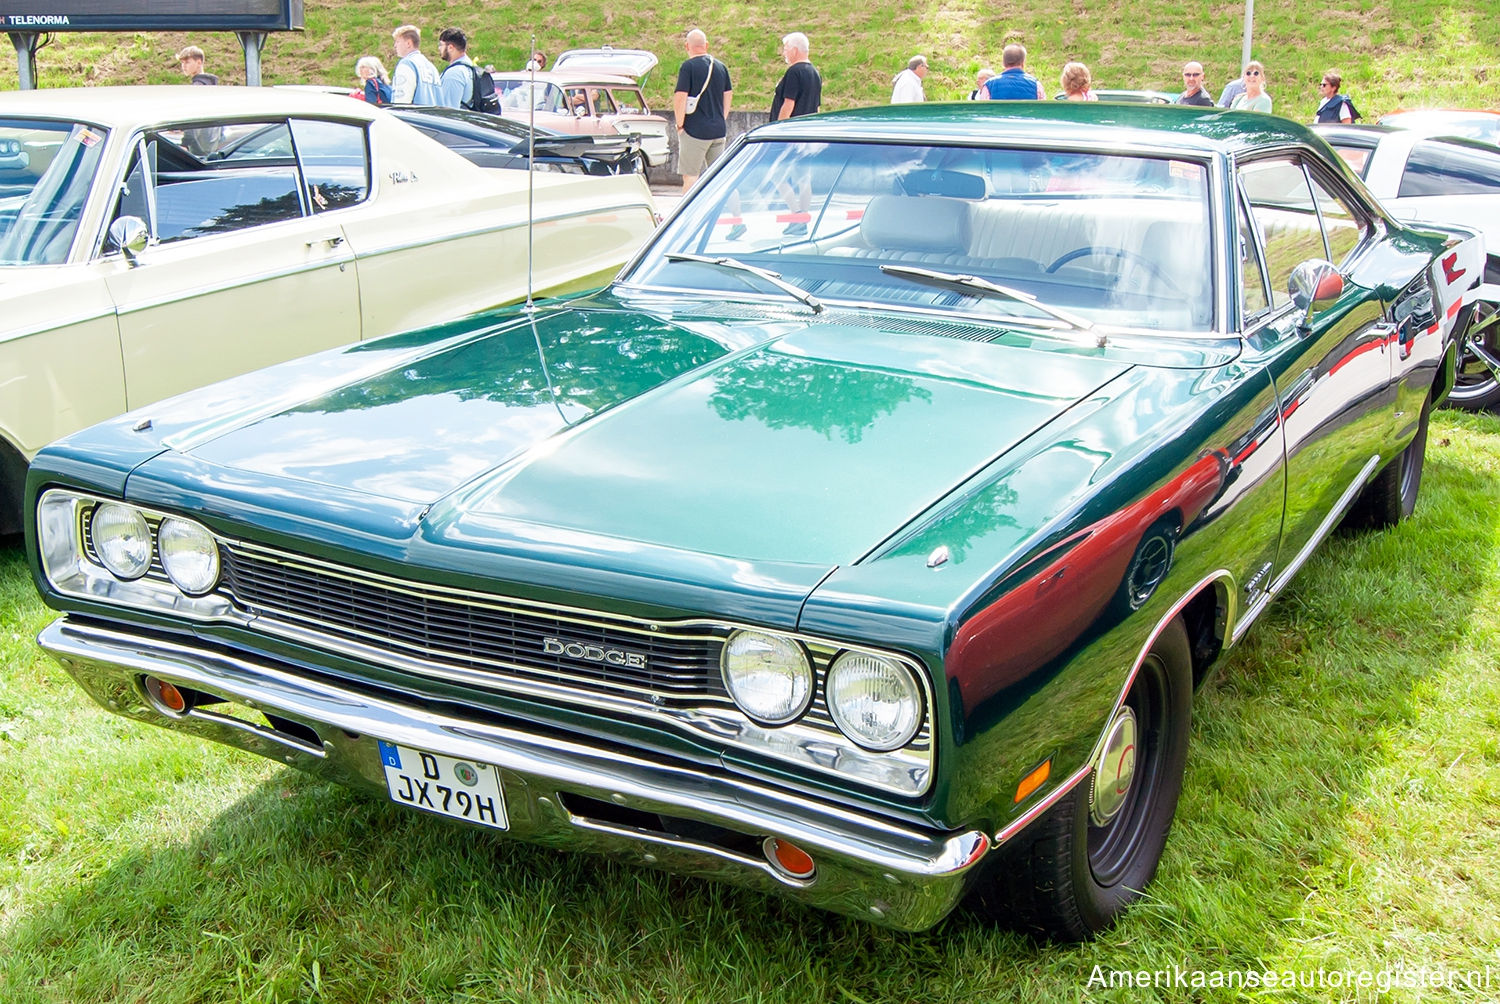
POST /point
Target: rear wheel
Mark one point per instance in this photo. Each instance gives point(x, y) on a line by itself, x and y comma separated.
point(1477, 383)
point(1073, 872)
point(1392, 495)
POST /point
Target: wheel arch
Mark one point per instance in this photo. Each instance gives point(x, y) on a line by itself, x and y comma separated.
point(12, 485)
point(1208, 608)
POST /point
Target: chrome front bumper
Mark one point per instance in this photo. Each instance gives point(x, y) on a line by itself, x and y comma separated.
point(867, 867)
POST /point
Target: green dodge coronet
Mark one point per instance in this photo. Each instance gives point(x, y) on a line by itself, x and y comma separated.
point(864, 542)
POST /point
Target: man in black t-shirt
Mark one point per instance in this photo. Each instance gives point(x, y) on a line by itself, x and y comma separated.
point(702, 83)
point(1194, 91)
point(800, 91)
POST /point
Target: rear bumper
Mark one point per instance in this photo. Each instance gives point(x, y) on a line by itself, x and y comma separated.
point(867, 867)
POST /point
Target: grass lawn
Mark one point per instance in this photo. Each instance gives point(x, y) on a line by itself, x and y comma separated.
point(1392, 53)
point(1341, 811)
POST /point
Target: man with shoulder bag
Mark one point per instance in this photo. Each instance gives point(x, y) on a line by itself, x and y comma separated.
point(700, 106)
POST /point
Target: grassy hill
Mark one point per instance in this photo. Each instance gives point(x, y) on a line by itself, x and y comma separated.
point(1407, 54)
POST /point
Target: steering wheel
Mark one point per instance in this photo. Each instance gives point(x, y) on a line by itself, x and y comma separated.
point(1132, 257)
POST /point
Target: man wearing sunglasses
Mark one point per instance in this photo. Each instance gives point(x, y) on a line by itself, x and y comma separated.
point(1193, 91)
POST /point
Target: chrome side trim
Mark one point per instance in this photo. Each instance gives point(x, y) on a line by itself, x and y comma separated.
point(482, 231)
point(1017, 825)
point(895, 873)
point(194, 291)
point(55, 322)
point(1295, 565)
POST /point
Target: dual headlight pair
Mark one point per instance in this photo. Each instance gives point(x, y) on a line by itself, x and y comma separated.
point(124, 543)
point(874, 700)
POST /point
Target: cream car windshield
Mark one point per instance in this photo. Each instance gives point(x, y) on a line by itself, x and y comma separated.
point(47, 168)
point(1106, 238)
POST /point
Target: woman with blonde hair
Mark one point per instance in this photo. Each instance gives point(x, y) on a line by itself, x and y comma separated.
point(1255, 98)
point(1076, 83)
point(371, 72)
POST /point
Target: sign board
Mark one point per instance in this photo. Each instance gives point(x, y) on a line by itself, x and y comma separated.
point(150, 15)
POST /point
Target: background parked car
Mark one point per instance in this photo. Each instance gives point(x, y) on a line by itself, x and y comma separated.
point(497, 142)
point(590, 91)
point(1451, 181)
point(154, 240)
point(1475, 124)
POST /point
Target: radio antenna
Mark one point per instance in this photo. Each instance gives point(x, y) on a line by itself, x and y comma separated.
point(530, 167)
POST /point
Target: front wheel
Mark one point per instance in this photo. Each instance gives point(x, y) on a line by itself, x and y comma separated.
point(1073, 872)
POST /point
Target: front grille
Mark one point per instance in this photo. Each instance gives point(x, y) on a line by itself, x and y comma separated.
point(490, 635)
point(666, 673)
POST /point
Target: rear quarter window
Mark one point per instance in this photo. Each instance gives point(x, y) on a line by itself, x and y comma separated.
point(1436, 168)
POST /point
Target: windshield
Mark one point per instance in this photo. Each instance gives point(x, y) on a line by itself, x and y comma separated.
point(1117, 240)
point(46, 171)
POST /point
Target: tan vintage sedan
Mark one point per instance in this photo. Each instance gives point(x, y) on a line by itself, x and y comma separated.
point(156, 239)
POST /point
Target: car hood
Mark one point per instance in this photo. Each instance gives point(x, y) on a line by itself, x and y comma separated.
point(812, 446)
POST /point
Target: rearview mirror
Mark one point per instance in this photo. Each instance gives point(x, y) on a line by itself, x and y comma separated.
point(1314, 285)
point(129, 236)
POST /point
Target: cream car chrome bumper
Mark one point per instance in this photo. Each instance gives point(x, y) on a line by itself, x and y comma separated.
point(557, 792)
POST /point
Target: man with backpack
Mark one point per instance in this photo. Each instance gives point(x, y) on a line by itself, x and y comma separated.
point(1335, 107)
point(464, 85)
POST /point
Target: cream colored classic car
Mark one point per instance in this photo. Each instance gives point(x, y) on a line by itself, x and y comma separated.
point(156, 239)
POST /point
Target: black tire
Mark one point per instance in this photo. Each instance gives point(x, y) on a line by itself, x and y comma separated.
point(1392, 495)
point(12, 489)
point(1477, 383)
point(1069, 877)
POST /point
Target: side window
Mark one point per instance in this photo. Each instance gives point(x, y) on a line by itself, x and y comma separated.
point(603, 103)
point(578, 101)
point(244, 182)
point(1357, 157)
point(335, 163)
point(1436, 168)
point(629, 101)
point(1282, 205)
point(1341, 228)
point(1253, 298)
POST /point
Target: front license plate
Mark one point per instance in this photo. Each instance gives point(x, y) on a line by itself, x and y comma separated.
point(464, 789)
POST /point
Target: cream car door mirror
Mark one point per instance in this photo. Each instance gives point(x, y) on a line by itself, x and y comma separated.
point(129, 236)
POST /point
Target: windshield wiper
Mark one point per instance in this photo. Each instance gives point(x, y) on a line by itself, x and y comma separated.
point(774, 278)
point(976, 284)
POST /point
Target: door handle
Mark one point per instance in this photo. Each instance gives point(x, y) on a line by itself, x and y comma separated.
point(332, 241)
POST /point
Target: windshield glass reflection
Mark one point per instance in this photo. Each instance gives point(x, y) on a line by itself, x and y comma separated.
point(1119, 240)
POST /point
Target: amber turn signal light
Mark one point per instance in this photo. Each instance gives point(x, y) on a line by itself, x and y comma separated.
point(1031, 782)
point(789, 859)
point(165, 696)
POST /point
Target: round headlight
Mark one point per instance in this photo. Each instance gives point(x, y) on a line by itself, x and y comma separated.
point(122, 539)
point(189, 555)
point(768, 676)
point(874, 700)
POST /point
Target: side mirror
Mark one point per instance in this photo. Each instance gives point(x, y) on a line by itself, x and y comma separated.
point(1314, 285)
point(129, 236)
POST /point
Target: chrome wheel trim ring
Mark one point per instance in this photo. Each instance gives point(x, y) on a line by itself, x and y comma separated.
point(1115, 771)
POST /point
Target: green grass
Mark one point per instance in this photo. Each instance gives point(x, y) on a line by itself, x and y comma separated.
point(1407, 54)
point(1342, 810)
